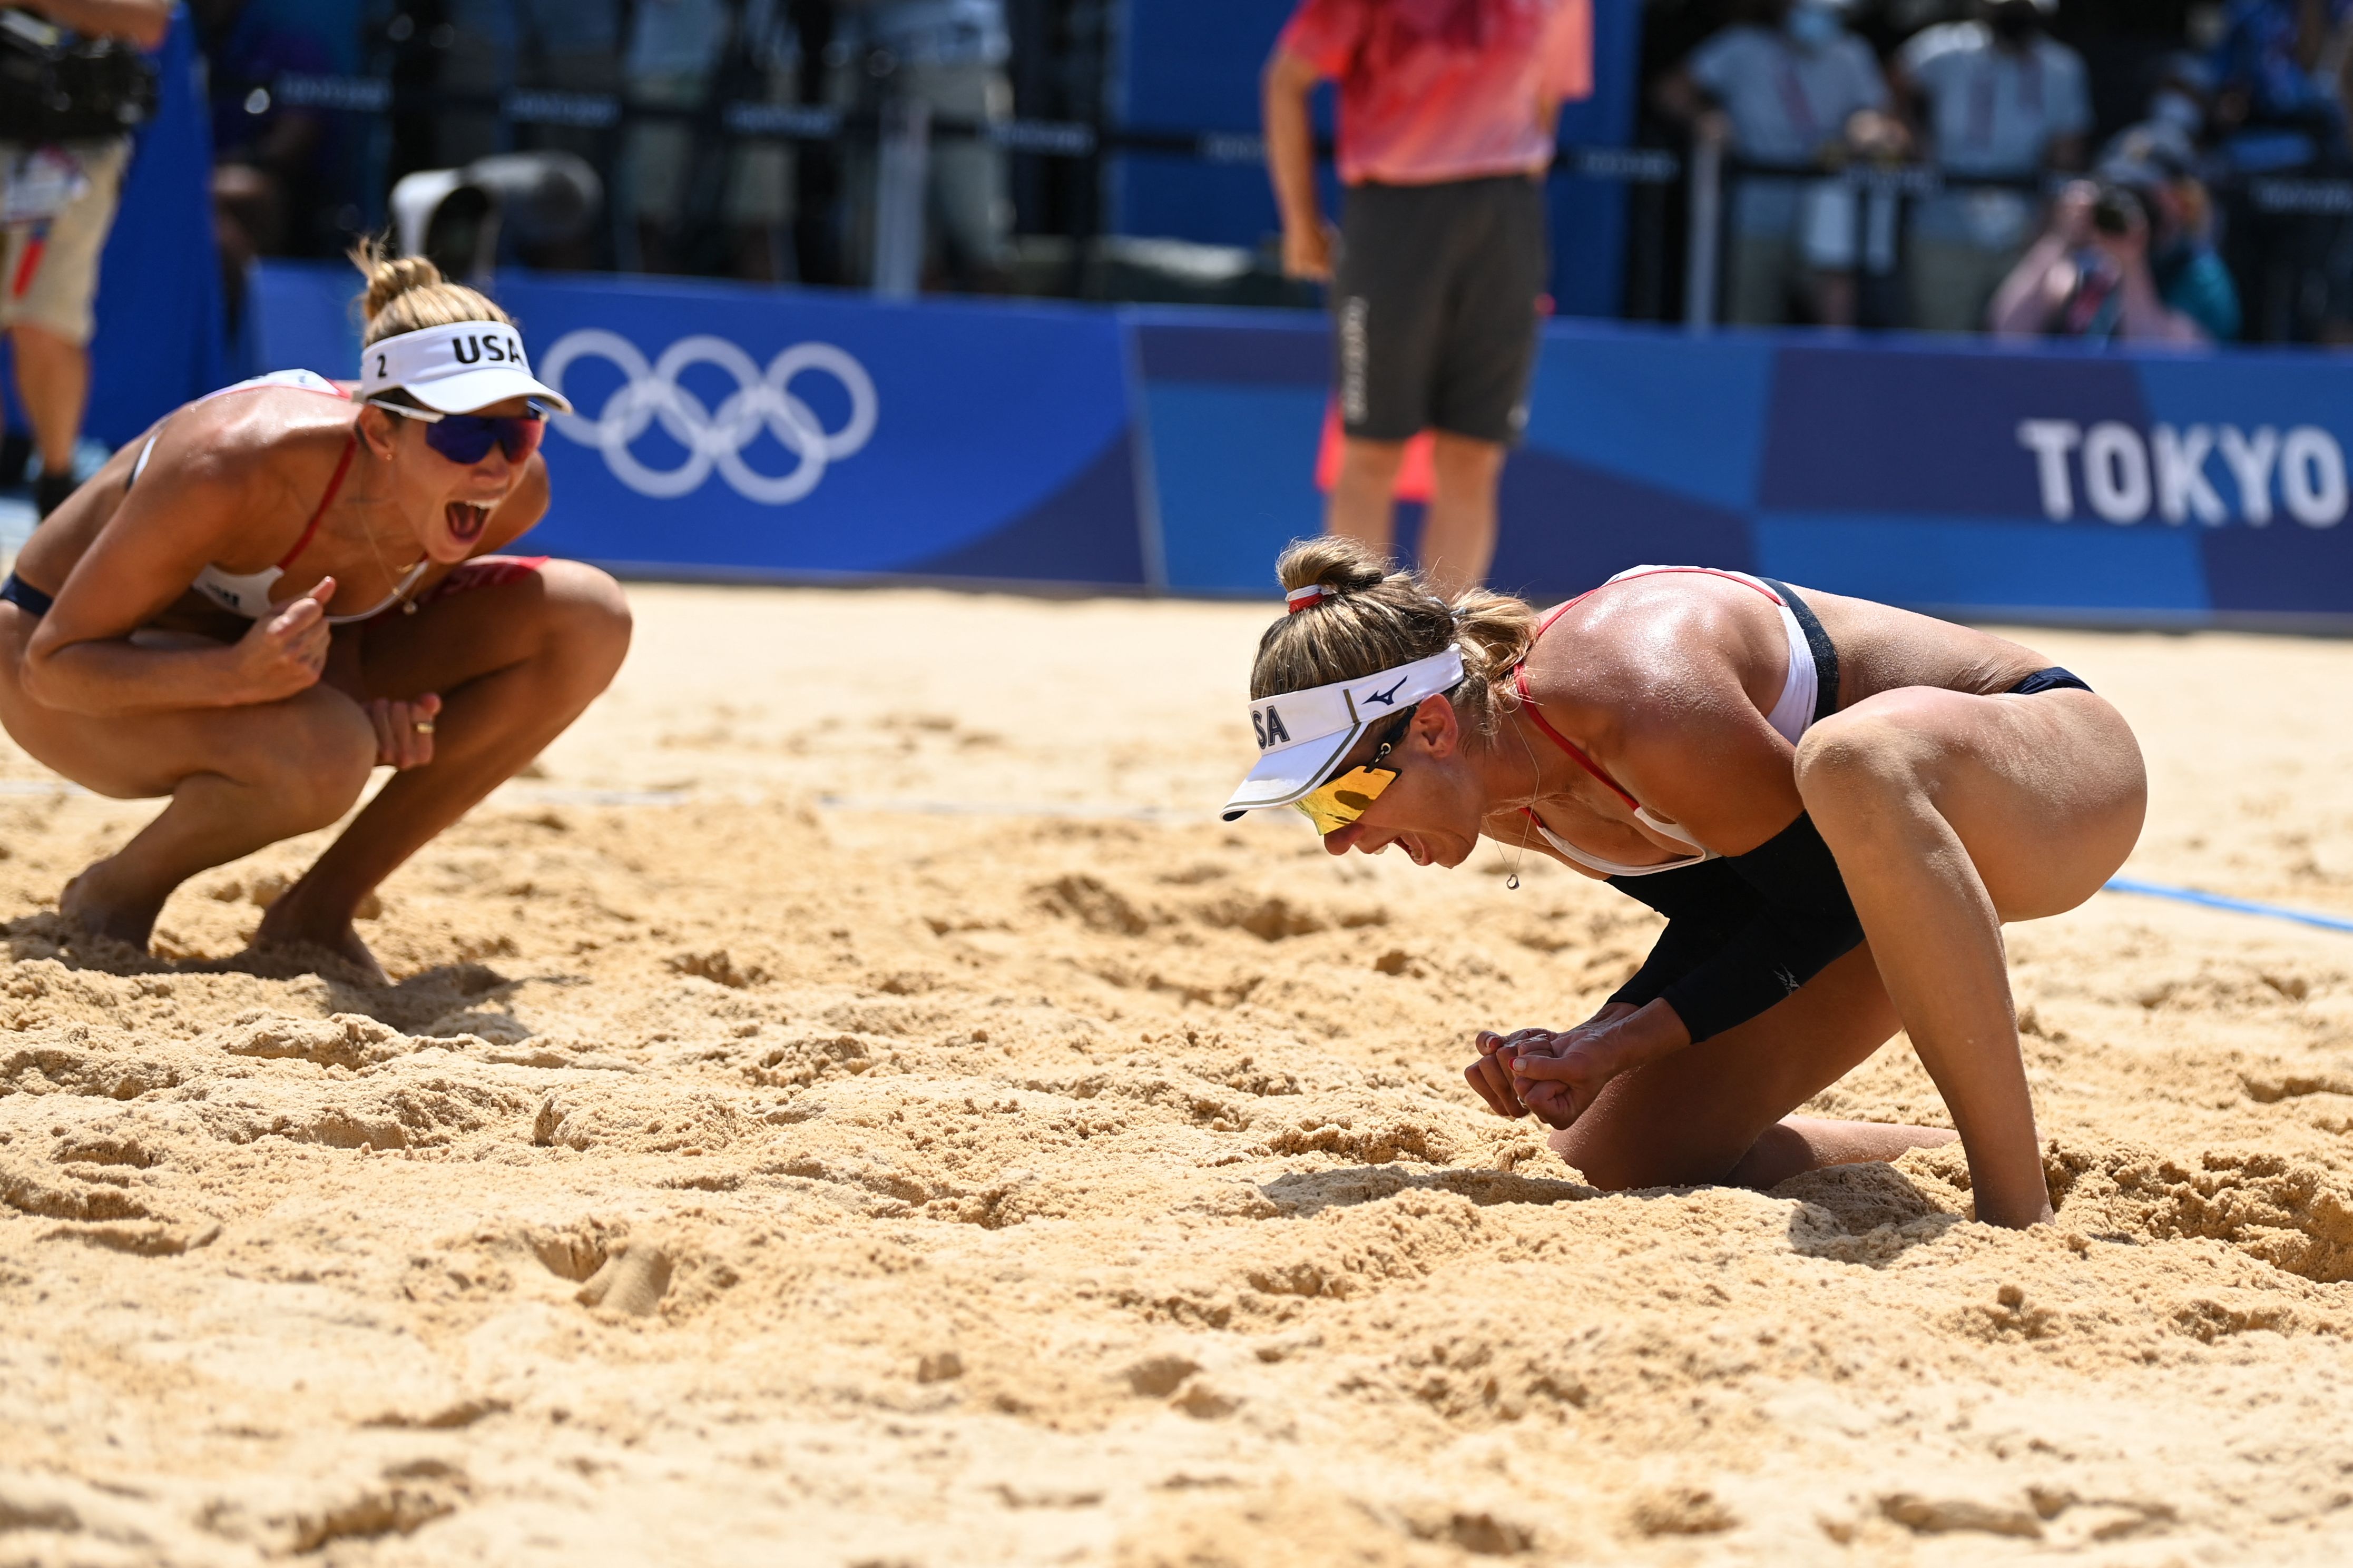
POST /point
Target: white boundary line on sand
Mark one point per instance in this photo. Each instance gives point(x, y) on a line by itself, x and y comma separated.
point(1080, 811)
point(538, 795)
point(565, 794)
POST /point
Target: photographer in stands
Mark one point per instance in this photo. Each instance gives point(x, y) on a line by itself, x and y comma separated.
point(60, 170)
point(2124, 261)
point(1993, 99)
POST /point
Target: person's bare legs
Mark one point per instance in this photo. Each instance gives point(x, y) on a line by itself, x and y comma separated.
point(53, 379)
point(1720, 1110)
point(1363, 502)
point(239, 778)
point(1458, 538)
point(515, 664)
point(1949, 815)
point(289, 768)
point(1796, 1145)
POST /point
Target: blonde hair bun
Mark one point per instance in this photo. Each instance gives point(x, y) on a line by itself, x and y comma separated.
point(408, 293)
point(1372, 616)
point(1335, 565)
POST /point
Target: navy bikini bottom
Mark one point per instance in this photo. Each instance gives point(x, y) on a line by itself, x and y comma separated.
point(2051, 680)
point(16, 591)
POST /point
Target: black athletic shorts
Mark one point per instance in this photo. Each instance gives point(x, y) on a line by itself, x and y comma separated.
point(1434, 306)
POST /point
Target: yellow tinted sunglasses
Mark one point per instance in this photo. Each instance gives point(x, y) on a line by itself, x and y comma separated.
point(1339, 800)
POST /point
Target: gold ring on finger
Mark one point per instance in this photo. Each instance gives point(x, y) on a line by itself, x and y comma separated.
point(424, 726)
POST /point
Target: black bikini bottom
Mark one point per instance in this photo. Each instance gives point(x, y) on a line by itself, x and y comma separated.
point(16, 591)
point(2051, 680)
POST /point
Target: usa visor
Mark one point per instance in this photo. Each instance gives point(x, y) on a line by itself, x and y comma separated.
point(1303, 735)
point(456, 369)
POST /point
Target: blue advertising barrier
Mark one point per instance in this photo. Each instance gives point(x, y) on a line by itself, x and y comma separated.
point(729, 432)
point(725, 431)
point(2039, 483)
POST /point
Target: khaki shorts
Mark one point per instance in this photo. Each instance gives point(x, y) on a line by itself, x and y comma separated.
point(57, 296)
point(1765, 268)
point(657, 167)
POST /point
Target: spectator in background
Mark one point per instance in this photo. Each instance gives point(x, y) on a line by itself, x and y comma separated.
point(2280, 72)
point(1993, 99)
point(547, 46)
point(2126, 260)
point(2176, 112)
point(1448, 111)
point(59, 204)
point(279, 175)
point(949, 55)
point(684, 178)
point(1793, 89)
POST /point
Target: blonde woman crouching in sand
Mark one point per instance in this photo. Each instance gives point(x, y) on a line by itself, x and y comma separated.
point(288, 584)
point(1836, 805)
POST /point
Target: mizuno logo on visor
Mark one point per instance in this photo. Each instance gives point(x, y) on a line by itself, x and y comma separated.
point(1302, 736)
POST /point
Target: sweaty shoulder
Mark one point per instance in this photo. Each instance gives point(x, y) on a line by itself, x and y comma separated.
point(221, 464)
point(221, 438)
point(1627, 641)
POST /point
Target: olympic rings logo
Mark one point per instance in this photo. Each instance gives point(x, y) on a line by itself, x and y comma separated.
point(714, 438)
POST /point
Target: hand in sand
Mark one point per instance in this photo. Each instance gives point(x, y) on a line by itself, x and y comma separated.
point(284, 652)
point(404, 729)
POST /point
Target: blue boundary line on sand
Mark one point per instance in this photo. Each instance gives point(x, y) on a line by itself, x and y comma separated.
point(2217, 901)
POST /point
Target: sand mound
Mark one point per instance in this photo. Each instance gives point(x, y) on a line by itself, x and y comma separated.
point(749, 1179)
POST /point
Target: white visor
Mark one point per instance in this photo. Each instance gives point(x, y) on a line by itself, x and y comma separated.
point(455, 369)
point(1303, 735)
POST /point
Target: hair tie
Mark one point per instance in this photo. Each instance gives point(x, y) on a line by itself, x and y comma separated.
point(1308, 597)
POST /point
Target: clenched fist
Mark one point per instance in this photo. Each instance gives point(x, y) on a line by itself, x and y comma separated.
point(283, 652)
point(1554, 1074)
point(404, 729)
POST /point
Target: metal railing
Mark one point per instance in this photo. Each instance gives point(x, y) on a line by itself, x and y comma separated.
point(902, 135)
point(899, 130)
point(1886, 189)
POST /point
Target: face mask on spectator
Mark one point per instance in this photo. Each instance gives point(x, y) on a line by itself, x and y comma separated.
point(1813, 26)
point(2178, 109)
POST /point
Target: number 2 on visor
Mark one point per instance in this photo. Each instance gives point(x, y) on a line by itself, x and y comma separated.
point(1331, 807)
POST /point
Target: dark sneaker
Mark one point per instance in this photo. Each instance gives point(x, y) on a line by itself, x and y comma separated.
point(50, 492)
point(15, 456)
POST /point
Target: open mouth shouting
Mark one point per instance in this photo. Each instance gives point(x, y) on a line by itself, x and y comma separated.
point(465, 520)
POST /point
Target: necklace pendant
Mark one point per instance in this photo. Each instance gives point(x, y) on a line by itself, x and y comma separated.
point(408, 607)
point(1511, 883)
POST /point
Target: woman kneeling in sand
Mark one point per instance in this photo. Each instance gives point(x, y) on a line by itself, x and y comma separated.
point(1835, 804)
point(283, 586)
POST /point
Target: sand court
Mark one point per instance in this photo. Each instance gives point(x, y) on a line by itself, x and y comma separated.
point(910, 1130)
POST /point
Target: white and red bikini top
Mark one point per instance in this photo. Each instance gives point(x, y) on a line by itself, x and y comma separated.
point(1790, 717)
point(247, 592)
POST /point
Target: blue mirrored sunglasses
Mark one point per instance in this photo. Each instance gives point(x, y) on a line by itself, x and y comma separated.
point(467, 439)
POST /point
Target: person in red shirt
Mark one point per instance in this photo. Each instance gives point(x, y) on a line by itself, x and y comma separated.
point(1447, 114)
